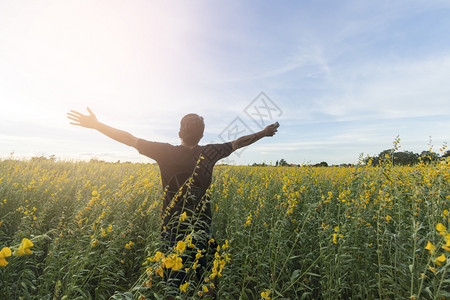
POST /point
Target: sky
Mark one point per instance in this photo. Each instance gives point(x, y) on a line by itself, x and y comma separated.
point(343, 78)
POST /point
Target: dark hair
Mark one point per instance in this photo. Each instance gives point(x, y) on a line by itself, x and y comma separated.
point(191, 129)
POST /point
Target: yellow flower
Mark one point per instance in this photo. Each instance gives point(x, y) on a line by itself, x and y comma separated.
point(440, 259)
point(440, 227)
point(184, 286)
point(27, 243)
point(225, 246)
point(158, 256)
point(447, 239)
point(159, 271)
point(183, 217)
point(199, 254)
point(129, 244)
point(109, 228)
point(24, 247)
point(173, 262)
point(249, 220)
point(181, 246)
point(430, 247)
point(205, 288)
point(178, 264)
point(6, 252)
point(265, 294)
point(388, 218)
point(168, 262)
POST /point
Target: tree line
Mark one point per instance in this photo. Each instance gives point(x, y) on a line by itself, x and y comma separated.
point(399, 158)
point(406, 158)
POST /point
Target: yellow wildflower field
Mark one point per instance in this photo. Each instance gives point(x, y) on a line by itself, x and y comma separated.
point(91, 230)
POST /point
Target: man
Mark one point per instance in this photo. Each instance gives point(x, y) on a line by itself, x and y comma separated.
point(186, 172)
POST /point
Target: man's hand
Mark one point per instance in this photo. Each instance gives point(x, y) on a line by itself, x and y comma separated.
point(88, 121)
point(271, 129)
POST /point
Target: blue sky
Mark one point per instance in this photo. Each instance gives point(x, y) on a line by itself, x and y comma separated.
point(346, 77)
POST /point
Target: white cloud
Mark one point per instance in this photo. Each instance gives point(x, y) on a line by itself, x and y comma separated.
point(389, 90)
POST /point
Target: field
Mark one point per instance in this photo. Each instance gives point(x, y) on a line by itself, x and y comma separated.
point(282, 232)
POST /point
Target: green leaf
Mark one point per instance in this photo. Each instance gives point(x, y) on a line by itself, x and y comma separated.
point(294, 275)
point(313, 274)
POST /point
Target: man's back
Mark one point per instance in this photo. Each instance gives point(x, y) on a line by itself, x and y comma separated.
point(186, 174)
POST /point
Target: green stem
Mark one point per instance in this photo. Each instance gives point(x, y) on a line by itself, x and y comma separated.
point(293, 245)
point(413, 261)
point(423, 278)
point(314, 262)
point(379, 252)
point(440, 283)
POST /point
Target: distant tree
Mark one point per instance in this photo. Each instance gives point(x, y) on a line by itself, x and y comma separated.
point(346, 165)
point(282, 163)
point(397, 158)
point(428, 156)
point(376, 160)
point(405, 158)
point(322, 164)
point(94, 160)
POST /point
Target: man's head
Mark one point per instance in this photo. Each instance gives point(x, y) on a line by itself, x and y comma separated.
point(191, 129)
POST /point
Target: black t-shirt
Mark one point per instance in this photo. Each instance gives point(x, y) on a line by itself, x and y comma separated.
point(185, 173)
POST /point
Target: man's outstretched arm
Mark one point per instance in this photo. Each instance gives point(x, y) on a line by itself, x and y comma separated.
point(251, 138)
point(90, 121)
